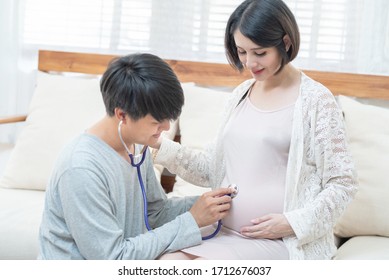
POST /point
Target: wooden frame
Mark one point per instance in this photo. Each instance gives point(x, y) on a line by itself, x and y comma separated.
point(210, 74)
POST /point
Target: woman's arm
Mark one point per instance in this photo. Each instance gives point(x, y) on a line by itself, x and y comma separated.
point(328, 180)
point(190, 164)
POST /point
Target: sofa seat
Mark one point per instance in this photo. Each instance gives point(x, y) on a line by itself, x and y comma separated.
point(20, 217)
point(364, 248)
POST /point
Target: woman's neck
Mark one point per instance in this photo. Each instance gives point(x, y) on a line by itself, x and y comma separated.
point(288, 77)
point(278, 91)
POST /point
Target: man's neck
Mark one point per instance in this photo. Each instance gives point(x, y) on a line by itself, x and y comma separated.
point(107, 130)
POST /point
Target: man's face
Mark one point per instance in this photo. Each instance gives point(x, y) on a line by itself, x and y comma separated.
point(145, 131)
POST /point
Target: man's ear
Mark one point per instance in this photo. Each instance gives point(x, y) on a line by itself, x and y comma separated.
point(287, 42)
point(120, 115)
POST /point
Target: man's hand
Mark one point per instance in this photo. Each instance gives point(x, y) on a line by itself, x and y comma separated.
point(211, 206)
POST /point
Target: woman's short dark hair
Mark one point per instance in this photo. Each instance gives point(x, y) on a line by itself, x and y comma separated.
point(265, 22)
point(142, 84)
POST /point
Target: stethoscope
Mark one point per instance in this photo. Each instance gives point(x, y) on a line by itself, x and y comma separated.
point(138, 165)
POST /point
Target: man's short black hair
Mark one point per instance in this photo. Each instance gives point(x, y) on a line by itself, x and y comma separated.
point(142, 84)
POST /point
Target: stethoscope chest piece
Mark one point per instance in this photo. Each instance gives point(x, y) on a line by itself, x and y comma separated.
point(235, 187)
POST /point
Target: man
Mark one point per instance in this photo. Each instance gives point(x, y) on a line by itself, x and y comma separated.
point(95, 207)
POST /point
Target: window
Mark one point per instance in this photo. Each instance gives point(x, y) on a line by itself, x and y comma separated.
point(328, 31)
point(191, 29)
point(331, 30)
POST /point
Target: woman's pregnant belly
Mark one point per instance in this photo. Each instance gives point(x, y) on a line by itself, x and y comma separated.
point(253, 204)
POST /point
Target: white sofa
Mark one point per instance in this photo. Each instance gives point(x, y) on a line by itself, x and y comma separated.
point(63, 106)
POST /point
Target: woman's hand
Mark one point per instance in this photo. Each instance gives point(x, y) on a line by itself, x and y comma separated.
point(272, 226)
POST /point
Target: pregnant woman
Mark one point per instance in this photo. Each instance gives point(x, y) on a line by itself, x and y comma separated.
point(282, 141)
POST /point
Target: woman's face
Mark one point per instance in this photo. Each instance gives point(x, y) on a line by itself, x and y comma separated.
point(263, 63)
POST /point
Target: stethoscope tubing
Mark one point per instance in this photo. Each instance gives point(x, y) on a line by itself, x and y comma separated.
point(212, 235)
point(137, 166)
point(139, 173)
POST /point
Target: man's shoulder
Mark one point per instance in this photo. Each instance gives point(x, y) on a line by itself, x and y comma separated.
point(81, 151)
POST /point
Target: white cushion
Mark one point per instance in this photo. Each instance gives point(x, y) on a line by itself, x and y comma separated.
point(368, 133)
point(182, 188)
point(5, 152)
point(61, 108)
point(364, 248)
point(201, 115)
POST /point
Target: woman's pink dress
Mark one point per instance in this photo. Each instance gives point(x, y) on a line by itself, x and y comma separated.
point(256, 146)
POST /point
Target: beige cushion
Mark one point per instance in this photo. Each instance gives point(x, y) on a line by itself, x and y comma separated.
point(198, 125)
point(61, 108)
point(368, 133)
point(201, 115)
point(364, 248)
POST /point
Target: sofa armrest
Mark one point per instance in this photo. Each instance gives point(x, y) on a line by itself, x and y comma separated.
point(13, 119)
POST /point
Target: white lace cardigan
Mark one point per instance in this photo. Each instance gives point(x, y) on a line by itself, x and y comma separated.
point(320, 179)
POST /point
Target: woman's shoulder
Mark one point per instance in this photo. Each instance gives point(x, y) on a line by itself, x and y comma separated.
point(244, 86)
point(314, 90)
point(237, 93)
point(316, 97)
point(310, 84)
point(241, 89)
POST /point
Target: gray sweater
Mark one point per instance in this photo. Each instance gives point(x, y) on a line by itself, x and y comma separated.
point(94, 208)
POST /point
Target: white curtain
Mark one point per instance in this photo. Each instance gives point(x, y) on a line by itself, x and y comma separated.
point(343, 35)
point(372, 50)
point(16, 68)
point(337, 35)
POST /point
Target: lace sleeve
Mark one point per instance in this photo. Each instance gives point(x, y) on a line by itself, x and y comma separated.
point(190, 164)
